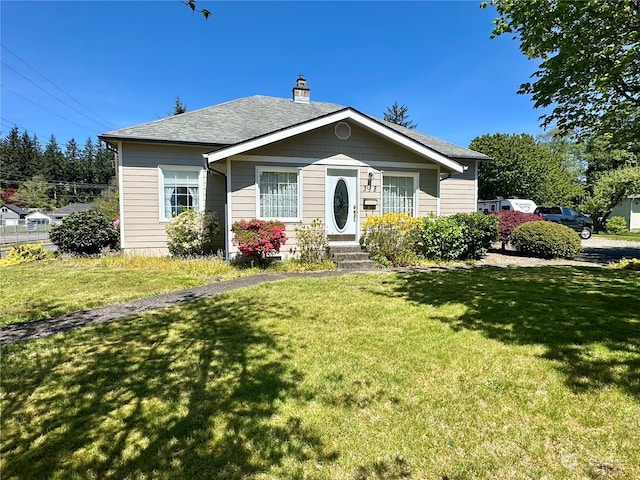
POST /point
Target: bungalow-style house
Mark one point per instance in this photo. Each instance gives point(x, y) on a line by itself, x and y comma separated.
point(11, 215)
point(293, 160)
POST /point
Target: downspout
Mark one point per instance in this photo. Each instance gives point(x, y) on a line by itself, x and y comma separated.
point(226, 209)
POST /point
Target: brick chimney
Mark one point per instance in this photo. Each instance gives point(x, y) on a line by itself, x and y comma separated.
point(301, 93)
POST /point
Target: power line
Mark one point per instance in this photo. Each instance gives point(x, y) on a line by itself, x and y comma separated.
point(53, 96)
point(9, 124)
point(97, 115)
point(46, 109)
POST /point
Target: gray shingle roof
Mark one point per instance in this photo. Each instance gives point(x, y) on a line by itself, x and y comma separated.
point(14, 208)
point(250, 117)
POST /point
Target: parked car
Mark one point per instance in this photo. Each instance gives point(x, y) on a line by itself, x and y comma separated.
point(583, 224)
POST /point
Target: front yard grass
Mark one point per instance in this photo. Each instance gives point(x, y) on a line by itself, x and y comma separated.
point(36, 290)
point(491, 373)
point(628, 236)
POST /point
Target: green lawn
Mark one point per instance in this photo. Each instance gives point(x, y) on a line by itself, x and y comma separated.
point(489, 373)
point(36, 290)
point(628, 236)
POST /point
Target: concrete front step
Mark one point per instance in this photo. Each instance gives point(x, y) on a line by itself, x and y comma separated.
point(351, 257)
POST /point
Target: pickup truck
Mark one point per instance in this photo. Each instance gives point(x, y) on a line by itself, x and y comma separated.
point(583, 224)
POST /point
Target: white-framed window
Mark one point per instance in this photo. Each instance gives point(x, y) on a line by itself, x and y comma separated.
point(399, 192)
point(180, 189)
point(278, 193)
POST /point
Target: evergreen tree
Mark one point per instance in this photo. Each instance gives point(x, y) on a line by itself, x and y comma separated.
point(104, 164)
point(28, 158)
point(9, 150)
point(398, 114)
point(179, 107)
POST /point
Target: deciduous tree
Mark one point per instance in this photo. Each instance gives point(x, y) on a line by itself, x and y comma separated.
point(589, 70)
point(523, 168)
point(610, 188)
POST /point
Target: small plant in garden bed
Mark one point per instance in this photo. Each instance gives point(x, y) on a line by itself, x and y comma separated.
point(312, 242)
point(257, 239)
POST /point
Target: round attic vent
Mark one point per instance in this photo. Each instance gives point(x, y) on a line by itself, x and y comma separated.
point(343, 130)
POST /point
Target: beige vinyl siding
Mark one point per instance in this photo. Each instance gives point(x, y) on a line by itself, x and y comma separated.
point(142, 230)
point(458, 192)
point(322, 143)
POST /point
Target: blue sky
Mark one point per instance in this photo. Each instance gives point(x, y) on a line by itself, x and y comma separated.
point(113, 64)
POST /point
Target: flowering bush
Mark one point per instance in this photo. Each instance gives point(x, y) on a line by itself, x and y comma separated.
point(257, 239)
point(312, 241)
point(27, 252)
point(510, 219)
point(391, 238)
point(627, 264)
point(191, 233)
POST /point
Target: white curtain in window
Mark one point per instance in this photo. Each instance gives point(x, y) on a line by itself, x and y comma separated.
point(278, 194)
point(180, 191)
point(397, 195)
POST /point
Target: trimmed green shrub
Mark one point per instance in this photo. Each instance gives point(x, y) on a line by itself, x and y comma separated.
point(312, 242)
point(85, 233)
point(480, 231)
point(441, 238)
point(616, 225)
point(191, 233)
point(391, 239)
point(27, 252)
point(257, 239)
point(546, 240)
point(508, 220)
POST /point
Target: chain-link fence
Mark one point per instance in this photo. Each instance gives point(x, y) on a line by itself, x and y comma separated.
point(27, 233)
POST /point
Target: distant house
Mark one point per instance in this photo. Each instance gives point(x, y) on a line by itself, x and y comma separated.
point(629, 209)
point(291, 160)
point(11, 215)
point(63, 212)
point(38, 218)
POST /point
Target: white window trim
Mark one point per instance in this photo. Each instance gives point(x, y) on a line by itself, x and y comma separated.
point(298, 172)
point(201, 187)
point(416, 187)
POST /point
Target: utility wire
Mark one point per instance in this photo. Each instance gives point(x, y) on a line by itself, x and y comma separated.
point(9, 124)
point(53, 96)
point(111, 125)
point(50, 111)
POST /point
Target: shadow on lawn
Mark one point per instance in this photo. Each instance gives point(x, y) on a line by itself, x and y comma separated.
point(588, 319)
point(192, 392)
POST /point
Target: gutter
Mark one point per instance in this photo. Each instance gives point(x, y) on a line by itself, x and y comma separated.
point(208, 168)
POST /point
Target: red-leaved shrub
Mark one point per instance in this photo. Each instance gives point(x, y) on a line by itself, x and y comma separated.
point(258, 238)
point(510, 219)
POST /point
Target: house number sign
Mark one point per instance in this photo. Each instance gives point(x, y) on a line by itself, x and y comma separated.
point(369, 188)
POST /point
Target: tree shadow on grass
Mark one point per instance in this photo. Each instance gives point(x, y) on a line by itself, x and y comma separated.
point(588, 319)
point(189, 392)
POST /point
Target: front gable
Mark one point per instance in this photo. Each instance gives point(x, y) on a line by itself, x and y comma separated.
point(326, 126)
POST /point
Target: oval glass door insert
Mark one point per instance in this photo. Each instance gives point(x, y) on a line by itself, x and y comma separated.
point(341, 204)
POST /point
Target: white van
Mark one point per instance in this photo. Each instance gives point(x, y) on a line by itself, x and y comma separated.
point(498, 204)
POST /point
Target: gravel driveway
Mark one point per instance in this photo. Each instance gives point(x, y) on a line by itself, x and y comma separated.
point(596, 251)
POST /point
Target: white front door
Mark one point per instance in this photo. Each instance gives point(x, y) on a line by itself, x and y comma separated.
point(341, 194)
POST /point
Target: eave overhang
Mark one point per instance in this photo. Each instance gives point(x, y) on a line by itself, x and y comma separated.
point(341, 115)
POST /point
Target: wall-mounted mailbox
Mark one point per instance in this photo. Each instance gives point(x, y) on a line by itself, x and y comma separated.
point(370, 203)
